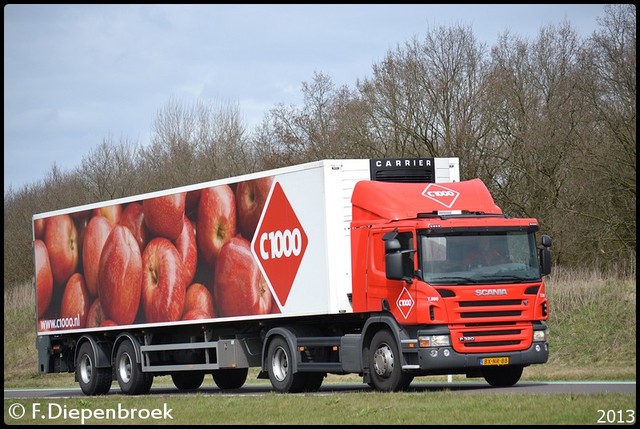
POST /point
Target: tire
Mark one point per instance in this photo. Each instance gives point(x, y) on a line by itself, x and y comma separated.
point(129, 373)
point(93, 381)
point(187, 380)
point(230, 378)
point(314, 381)
point(385, 364)
point(502, 376)
point(279, 365)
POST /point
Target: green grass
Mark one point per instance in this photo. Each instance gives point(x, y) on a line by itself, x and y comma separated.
point(353, 408)
point(593, 337)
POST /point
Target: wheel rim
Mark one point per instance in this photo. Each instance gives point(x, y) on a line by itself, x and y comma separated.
point(86, 369)
point(383, 361)
point(280, 364)
point(125, 368)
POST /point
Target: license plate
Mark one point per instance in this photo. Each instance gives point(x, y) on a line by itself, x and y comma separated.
point(495, 361)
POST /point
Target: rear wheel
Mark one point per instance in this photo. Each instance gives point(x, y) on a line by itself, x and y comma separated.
point(92, 380)
point(230, 378)
point(187, 380)
point(314, 381)
point(385, 364)
point(129, 373)
point(502, 376)
point(279, 365)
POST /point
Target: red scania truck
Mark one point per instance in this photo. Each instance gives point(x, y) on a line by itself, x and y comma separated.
point(385, 268)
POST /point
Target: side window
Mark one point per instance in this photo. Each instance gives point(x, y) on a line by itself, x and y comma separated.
point(377, 253)
point(407, 243)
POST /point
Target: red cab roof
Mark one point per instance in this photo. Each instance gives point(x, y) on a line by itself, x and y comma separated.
point(395, 201)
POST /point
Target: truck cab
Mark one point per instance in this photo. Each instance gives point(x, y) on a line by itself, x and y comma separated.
point(463, 280)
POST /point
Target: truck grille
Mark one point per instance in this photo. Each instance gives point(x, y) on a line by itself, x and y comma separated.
point(499, 325)
point(485, 338)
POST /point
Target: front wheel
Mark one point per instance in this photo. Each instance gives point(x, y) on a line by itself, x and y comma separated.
point(92, 380)
point(129, 373)
point(502, 376)
point(385, 364)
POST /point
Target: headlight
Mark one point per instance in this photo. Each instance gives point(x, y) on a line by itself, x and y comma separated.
point(434, 341)
point(541, 335)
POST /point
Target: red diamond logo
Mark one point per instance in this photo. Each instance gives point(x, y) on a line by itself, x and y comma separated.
point(279, 244)
point(440, 194)
point(405, 302)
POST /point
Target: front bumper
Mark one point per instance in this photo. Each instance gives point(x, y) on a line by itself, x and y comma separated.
point(446, 360)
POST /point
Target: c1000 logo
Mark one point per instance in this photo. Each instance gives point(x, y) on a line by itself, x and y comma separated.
point(440, 194)
point(280, 243)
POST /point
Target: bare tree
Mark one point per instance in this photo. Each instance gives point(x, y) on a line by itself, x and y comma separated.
point(425, 98)
point(609, 163)
point(109, 171)
point(321, 128)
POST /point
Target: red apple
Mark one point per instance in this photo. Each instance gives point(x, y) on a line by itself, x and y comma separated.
point(83, 214)
point(251, 196)
point(164, 215)
point(95, 316)
point(274, 305)
point(108, 323)
point(198, 297)
point(163, 286)
point(113, 213)
point(75, 302)
point(95, 235)
point(188, 250)
point(120, 276)
point(61, 239)
point(195, 314)
point(38, 228)
point(191, 204)
point(81, 227)
point(216, 221)
point(133, 218)
point(239, 288)
point(44, 277)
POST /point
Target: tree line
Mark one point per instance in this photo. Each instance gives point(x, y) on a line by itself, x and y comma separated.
point(548, 124)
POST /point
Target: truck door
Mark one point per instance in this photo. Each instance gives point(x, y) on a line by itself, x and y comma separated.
point(396, 296)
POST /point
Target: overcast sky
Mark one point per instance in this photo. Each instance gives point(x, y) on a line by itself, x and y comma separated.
point(75, 75)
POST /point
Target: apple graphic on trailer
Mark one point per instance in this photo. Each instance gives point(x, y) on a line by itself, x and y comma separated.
point(113, 213)
point(164, 215)
point(251, 196)
point(191, 204)
point(216, 223)
point(44, 277)
point(95, 235)
point(133, 218)
point(96, 317)
point(38, 228)
point(61, 239)
point(75, 301)
point(239, 288)
point(120, 276)
point(198, 299)
point(163, 286)
point(188, 249)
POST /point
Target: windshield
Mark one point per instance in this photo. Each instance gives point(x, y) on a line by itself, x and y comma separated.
point(472, 258)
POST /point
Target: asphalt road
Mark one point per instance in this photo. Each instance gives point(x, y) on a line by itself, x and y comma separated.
point(466, 387)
